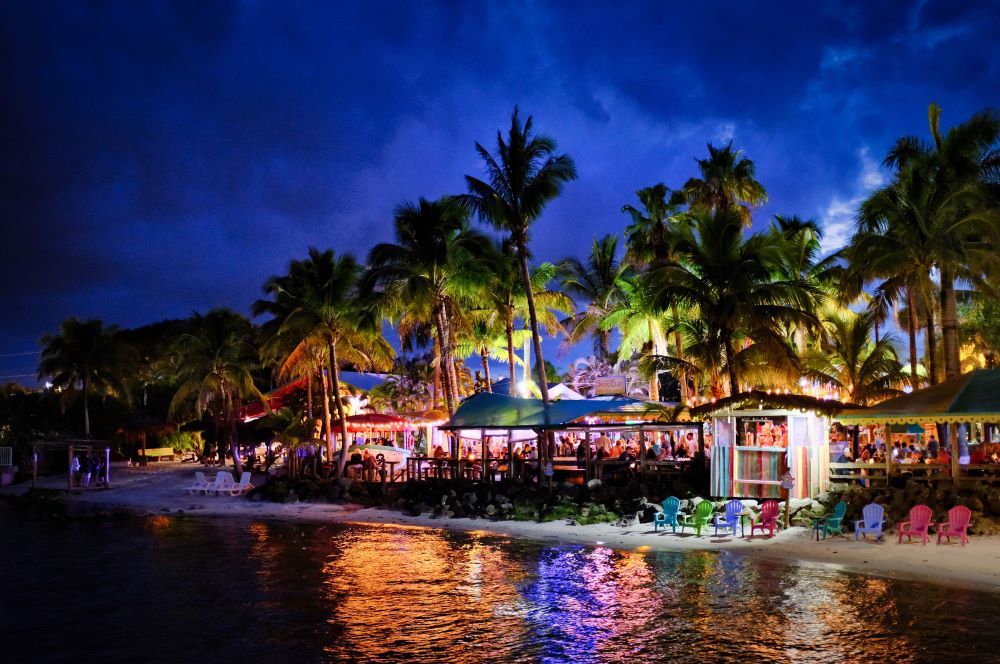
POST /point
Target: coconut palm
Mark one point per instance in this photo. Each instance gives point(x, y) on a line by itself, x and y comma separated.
point(504, 299)
point(523, 175)
point(643, 327)
point(649, 240)
point(84, 355)
point(733, 285)
point(864, 370)
point(217, 361)
point(598, 284)
point(318, 304)
point(962, 168)
point(437, 262)
point(890, 249)
point(727, 182)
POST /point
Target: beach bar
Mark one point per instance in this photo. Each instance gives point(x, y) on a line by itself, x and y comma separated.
point(758, 437)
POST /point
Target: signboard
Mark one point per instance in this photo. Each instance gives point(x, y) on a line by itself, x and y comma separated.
point(787, 481)
point(609, 385)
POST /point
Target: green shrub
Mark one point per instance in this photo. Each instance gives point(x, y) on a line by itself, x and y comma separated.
point(182, 441)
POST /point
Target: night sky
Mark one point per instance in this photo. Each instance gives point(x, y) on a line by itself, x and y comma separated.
point(161, 158)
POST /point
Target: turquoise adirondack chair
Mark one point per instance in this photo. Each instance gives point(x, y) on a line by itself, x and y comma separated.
point(833, 524)
point(701, 517)
point(871, 522)
point(668, 517)
point(730, 519)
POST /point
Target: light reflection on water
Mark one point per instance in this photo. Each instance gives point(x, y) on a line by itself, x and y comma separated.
point(284, 592)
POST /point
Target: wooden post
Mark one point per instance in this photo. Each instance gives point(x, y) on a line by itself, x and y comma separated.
point(701, 438)
point(953, 445)
point(586, 453)
point(642, 454)
point(107, 467)
point(888, 453)
point(510, 453)
point(484, 459)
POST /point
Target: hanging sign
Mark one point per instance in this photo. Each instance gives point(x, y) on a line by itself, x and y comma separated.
point(787, 481)
point(609, 385)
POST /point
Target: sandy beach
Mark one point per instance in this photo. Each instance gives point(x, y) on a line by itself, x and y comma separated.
point(159, 489)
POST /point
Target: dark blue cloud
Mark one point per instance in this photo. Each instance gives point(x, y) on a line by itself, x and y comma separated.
point(164, 157)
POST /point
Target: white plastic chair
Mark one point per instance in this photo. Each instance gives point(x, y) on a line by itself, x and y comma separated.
point(200, 483)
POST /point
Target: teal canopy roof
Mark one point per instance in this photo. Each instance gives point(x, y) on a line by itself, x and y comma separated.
point(499, 411)
point(971, 397)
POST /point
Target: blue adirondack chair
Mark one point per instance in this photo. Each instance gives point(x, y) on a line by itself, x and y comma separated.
point(668, 517)
point(871, 522)
point(730, 519)
point(833, 524)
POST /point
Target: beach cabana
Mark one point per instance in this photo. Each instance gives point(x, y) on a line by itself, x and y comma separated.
point(758, 436)
point(968, 399)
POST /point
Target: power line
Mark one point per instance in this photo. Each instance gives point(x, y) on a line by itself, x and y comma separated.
point(33, 352)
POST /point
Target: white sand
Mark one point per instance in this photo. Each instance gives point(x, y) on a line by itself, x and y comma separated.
point(159, 490)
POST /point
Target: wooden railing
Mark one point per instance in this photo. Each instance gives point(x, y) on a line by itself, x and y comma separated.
point(929, 472)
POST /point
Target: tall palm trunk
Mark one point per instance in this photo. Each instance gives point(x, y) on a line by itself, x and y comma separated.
point(327, 428)
point(484, 356)
point(522, 254)
point(911, 305)
point(231, 433)
point(437, 365)
point(731, 365)
point(949, 325)
point(309, 395)
point(443, 358)
point(86, 409)
point(455, 385)
point(509, 330)
point(679, 350)
point(930, 342)
point(654, 380)
point(335, 375)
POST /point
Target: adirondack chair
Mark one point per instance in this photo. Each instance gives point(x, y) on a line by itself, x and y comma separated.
point(668, 517)
point(767, 519)
point(957, 525)
point(871, 522)
point(730, 519)
point(702, 515)
point(920, 521)
point(833, 524)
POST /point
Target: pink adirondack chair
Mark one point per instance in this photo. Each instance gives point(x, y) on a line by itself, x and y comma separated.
point(957, 525)
point(767, 519)
point(920, 521)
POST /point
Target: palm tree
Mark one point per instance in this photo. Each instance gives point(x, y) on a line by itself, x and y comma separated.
point(733, 285)
point(643, 327)
point(649, 240)
point(217, 360)
point(890, 246)
point(599, 285)
point(865, 371)
point(84, 353)
point(727, 182)
point(318, 304)
point(523, 175)
point(506, 301)
point(799, 258)
point(963, 222)
point(437, 262)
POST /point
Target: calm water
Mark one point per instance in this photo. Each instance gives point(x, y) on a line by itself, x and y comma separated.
point(162, 589)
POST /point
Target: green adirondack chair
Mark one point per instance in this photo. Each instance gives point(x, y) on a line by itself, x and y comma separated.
point(833, 524)
point(700, 519)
